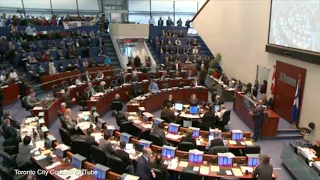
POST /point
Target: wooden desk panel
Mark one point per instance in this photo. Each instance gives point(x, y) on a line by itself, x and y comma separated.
point(50, 114)
point(270, 125)
point(11, 93)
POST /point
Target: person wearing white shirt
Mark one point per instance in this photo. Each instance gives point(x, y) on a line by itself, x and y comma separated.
point(195, 50)
point(99, 76)
point(151, 21)
point(3, 77)
point(221, 112)
point(52, 68)
point(195, 82)
point(13, 74)
point(78, 81)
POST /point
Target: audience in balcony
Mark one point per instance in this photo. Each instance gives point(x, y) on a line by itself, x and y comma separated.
point(160, 22)
point(100, 42)
point(137, 61)
point(101, 53)
point(179, 22)
point(99, 76)
point(169, 22)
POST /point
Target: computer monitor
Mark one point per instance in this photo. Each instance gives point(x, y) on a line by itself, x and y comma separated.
point(100, 123)
point(145, 118)
point(145, 143)
point(196, 132)
point(253, 160)
point(195, 158)
point(178, 106)
point(224, 161)
point(168, 151)
point(212, 133)
point(217, 107)
point(194, 109)
point(125, 137)
point(138, 147)
point(77, 161)
point(237, 135)
point(173, 128)
point(157, 121)
point(100, 172)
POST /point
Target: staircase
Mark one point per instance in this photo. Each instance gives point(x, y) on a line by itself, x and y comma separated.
point(153, 53)
point(288, 134)
point(204, 48)
point(111, 52)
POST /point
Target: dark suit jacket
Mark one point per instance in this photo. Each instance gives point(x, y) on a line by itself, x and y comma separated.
point(263, 171)
point(89, 139)
point(258, 114)
point(160, 133)
point(67, 99)
point(169, 114)
point(100, 89)
point(161, 167)
point(10, 131)
point(160, 22)
point(203, 74)
point(84, 78)
point(216, 142)
point(193, 102)
point(144, 169)
point(124, 156)
point(168, 102)
point(106, 146)
point(188, 139)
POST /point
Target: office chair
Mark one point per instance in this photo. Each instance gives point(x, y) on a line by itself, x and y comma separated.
point(10, 161)
point(218, 149)
point(155, 139)
point(187, 175)
point(116, 165)
point(113, 83)
point(224, 122)
point(55, 89)
point(165, 86)
point(145, 134)
point(120, 80)
point(255, 149)
point(120, 118)
point(137, 90)
point(159, 174)
point(116, 105)
point(82, 101)
point(11, 150)
point(79, 146)
point(127, 127)
point(10, 142)
point(207, 122)
point(98, 156)
point(65, 136)
point(64, 84)
point(186, 146)
point(8, 174)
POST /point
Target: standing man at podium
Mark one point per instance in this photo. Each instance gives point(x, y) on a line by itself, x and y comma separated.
point(258, 115)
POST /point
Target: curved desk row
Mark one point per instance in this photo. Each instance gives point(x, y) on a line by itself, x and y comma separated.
point(11, 93)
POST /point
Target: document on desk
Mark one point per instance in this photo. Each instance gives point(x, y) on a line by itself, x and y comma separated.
point(39, 157)
point(131, 177)
point(183, 164)
point(133, 114)
point(232, 142)
point(204, 170)
point(29, 120)
point(71, 174)
point(228, 172)
point(242, 143)
point(85, 125)
point(72, 86)
point(98, 94)
point(97, 136)
point(246, 168)
point(37, 108)
point(132, 118)
point(173, 136)
point(39, 144)
point(198, 142)
point(147, 126)
point(236, 172)
point(215, 168)
point(173, 164)
point(249, 143)
point(53, 165)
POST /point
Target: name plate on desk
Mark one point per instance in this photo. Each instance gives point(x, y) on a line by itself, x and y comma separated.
point(248, 103)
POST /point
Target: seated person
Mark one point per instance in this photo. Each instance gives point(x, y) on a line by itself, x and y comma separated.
point(13, 122)
point(159, 164)
point(31, 58)
point(91, 90)
point(264, 170)
point(195, 82)
point(60, 55)
point(78, 81)
point(101, 87)
point(218, 100)
point(62, 45)
point(63, 108)
point(168, 113)
point(153, 87)
point(85, 52)
point(86, 77)
point(164, 75)
point(13, 75)
point(10, 131)
point(316, 148)
point(105, 145)
point(122, 154)
point(24, 151)
point(216, 141)
point(88, 138)
point(31, 100)
point(169, 101)
point(100, 42)
point(71, 54)
point(99, 76)
point(101, 53)
point(188, 137)
point(193, 101)
point(159, 130)
point(116, 104)
point(221, 112)
point(107, 61)
point(67, 117)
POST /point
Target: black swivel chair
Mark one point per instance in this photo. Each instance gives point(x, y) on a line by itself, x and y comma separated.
point(218, 149)
point(159, 174)
point(186, 146)
point(113, 83)
point(137, 90)
point(65, 136)
point(127, 127)
point(8, 174)
point(116, 165)
point(145, 134)
point(120, 80)
point(10, 161)
point(98, 156)
point(64, 84)
point(225, 121)
point(255, 149)
point(116, 105)
point(120, 118)
point(187, 175)
point(80, 146)
point(11, 150)
point(207, 122)
point(155, 139)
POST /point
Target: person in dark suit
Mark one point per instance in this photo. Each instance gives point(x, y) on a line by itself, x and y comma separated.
point(88, 138)
point(216, 141)
point(203, 76)
point(208, 120)
point(66, 98)
point(90, 90)
point(158, 164)
point(144, 170)
point(101, 87)
point(116, 104)
point(193, 101)
point(105, 145)
point(263, 88)
point(86, 77)
point(218, 100)
point(168, 113)
point(13, 122)
point(264, 170)
point(258, 115)
point(169, 101)
point(169, 22)
point(160, 132)
point(160, 22)
point(9, 130)
point(195, 82)
point(122, 154)
point(188, 137)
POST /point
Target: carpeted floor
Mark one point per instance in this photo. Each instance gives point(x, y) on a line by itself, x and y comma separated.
point(271, 147)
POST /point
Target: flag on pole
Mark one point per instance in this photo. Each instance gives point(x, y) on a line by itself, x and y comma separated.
point(295, 108)
point(273, 81)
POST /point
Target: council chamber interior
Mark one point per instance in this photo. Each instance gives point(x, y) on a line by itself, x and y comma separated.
point(159, 89)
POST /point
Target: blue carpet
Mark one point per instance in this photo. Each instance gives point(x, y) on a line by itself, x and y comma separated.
point(271, 147)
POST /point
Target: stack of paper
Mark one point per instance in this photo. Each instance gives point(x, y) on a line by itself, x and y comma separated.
point(173, 136)
point(63, 147)
point(249, 143)
point(173, 164)
point(236, 172)
point(97, 136)
point(246, 168)
point(183, 164)
point(85, 125)
point(132, 118)
point(29, 120)
point(37, 108)
point(215, 168)
point(133, 114)
point(131, 177)
point(232, 142)
point(204, 170)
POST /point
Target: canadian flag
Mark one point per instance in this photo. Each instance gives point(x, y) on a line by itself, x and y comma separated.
point(273, 80)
